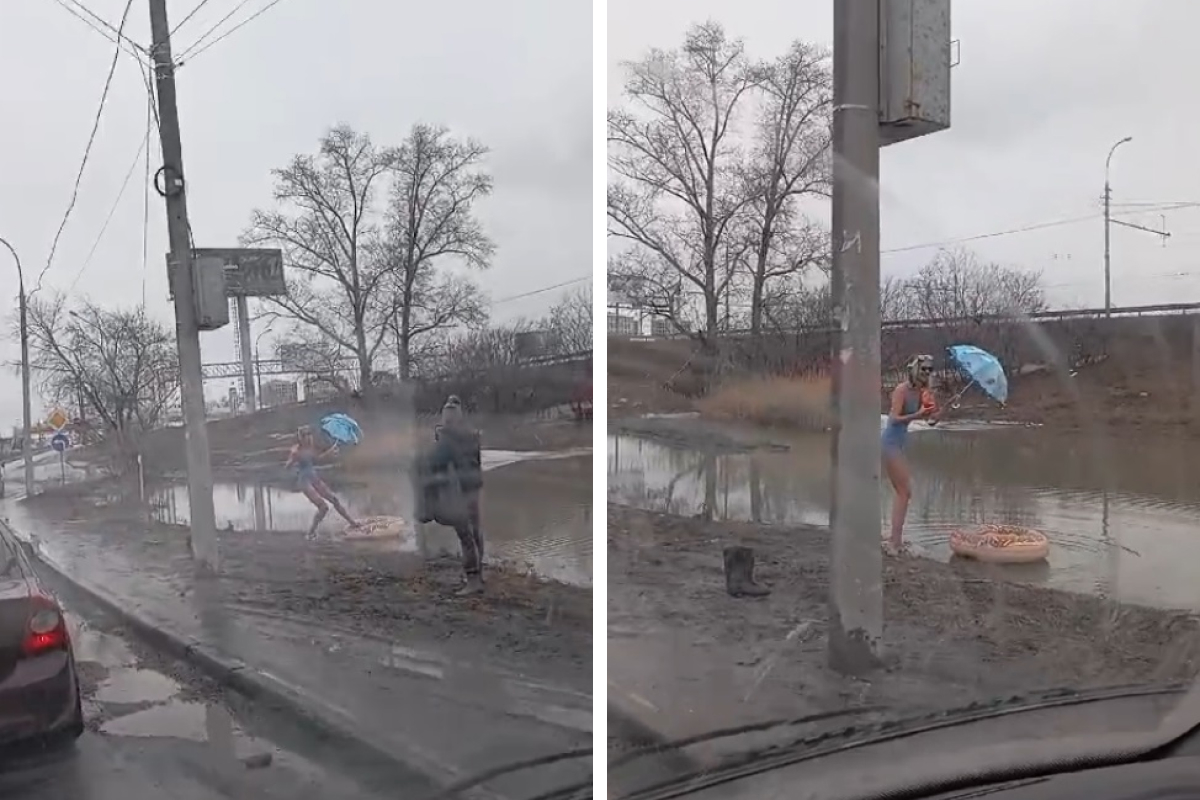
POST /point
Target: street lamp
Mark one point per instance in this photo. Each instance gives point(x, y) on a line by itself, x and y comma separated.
point(26, 447)
point(1108, 227)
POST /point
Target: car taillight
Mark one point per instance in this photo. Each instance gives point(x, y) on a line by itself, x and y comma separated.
point(46, 629)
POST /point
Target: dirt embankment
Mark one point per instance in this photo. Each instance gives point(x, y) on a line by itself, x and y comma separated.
point(678, 644)
point(1138, 384)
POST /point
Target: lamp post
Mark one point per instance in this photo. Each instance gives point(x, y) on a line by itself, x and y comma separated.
point(1108, 228)
point(27, 413)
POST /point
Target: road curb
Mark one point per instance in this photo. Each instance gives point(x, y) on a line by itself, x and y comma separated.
point(324, 721)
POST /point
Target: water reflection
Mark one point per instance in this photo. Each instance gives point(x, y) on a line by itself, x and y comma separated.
point(1123, 527)
point(531, 520)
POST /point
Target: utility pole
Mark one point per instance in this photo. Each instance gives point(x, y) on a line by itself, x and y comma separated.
point(856, 564)
point(174, 188)
point(1109, 222)
point(1108, 226)
point(243, 321)
point(26, 403)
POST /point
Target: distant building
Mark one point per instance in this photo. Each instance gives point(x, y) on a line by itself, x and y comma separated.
point(623, 324)
point(279, 393)
point(661, 326)
point(319, 389)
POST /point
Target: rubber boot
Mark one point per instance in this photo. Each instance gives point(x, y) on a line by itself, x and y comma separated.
point(739, 574)
point(473, 586)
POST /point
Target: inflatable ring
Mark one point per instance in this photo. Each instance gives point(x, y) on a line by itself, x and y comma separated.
point(377, 528)
point(1001, 544)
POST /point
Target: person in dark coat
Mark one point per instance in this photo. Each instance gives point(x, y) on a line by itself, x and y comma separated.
point(451, 485)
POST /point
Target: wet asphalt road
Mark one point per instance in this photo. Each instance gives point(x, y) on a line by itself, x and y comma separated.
point(157, 731)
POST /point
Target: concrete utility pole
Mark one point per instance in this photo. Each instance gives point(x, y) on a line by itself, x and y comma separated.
point(200, 484)
point(1108, 226)
point(26, 402)
point(1109, 222)
point(243, 320)
point(855, 590)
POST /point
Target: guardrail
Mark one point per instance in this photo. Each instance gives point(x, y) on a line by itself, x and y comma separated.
point(1163, 309)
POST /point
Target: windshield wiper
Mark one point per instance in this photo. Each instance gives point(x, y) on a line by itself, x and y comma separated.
point(455, 789)
point(764, 759)
point(738, 730)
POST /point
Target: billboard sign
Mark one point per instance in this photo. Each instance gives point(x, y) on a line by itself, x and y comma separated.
point(249, 271)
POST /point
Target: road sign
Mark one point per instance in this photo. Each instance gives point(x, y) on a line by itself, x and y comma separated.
point(60, 442)
point(249, 271)
point(58, 419)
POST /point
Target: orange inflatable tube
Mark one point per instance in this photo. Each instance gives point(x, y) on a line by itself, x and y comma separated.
point(1001, 544)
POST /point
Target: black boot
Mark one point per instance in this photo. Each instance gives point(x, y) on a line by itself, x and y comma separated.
point(739, 574)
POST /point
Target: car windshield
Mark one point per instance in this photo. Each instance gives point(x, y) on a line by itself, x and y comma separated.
point(903, 357)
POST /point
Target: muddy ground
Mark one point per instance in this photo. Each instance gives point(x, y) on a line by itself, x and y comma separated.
point(685, 657)
point(522, 621)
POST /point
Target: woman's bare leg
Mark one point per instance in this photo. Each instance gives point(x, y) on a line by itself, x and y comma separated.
point(314, 497)
point(328, 494)
point(897, 472)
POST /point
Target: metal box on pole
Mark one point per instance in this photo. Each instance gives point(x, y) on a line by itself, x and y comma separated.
point(915, 58)
point(212, 304)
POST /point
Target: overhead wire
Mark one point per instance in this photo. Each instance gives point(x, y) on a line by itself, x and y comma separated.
point(542, 290)
point(190, 14)
point(235, 28)
point(151, 114)
point(112, 68)
point(187, 52)
point(131, 47)
point(195, 50)
point(1010, 232)
point(137, 160)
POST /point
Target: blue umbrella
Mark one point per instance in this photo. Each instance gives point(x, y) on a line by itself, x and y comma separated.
point(980, 368)
point(341, 428)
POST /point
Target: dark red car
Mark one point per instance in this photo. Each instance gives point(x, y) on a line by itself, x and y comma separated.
point(39, 687)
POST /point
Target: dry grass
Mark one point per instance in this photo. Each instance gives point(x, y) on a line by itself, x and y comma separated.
point(796, 402)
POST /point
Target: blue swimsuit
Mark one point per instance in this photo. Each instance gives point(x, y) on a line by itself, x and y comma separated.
point(306, 468)
point(895, 434)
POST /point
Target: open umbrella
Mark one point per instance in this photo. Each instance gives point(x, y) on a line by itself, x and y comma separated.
point(341, 428)
point(981, 369)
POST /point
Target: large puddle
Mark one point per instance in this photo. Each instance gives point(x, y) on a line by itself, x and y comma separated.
point(1124, 523)
point(535, 519)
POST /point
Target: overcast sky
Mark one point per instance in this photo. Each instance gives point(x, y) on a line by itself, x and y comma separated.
point(1042, 91)
point(515, 75)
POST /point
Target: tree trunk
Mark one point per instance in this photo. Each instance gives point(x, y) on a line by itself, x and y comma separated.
point(405, 342)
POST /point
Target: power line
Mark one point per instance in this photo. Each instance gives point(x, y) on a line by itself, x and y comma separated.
point(191, 14)
point(128, 45)
point(137, 158)
point(183, 55)
point(1026, 229)
point(542, 290)
point(195, 49)
point(151, 114)
point(112, 68)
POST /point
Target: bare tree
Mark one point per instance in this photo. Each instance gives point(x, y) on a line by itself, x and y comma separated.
point(956, 284)
point(431, 221)
point(791, 160)
point(119, 365)
point(327, 226)
point(680, 192)
point(896, 300)
point(570, 322)
point(793, 306)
